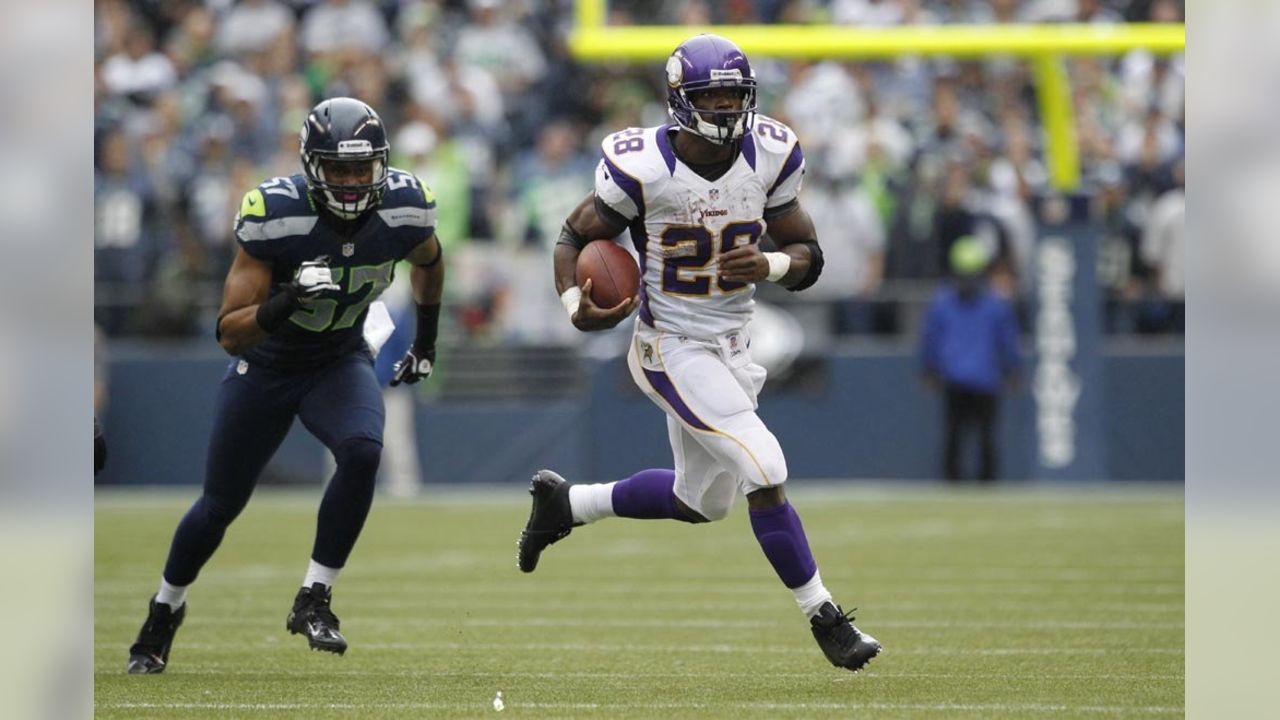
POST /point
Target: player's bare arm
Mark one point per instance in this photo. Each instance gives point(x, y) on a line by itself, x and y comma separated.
point(427, 273)
point(246, 287)
point(795, 236)
point(247, 311)
point(427, 279)
point(586, 223)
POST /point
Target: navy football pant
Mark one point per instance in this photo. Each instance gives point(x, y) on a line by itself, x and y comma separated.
point(341, 404)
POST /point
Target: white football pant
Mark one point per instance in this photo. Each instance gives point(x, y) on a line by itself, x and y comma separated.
point(708, 390)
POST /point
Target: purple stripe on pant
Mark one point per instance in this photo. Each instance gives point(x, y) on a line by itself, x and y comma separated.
point(662, 384)
point(646, 315)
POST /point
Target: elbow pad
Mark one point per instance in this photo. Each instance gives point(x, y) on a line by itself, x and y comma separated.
point(815, 267)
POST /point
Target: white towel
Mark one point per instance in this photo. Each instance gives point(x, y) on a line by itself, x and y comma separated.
point(378, 326)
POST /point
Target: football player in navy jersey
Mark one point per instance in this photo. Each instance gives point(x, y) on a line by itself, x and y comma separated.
point(315, 250)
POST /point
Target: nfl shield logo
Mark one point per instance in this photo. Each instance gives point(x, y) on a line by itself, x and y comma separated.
point(715, 195)
point(348, 249)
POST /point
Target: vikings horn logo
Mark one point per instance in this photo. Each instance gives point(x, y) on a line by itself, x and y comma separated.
point(675, 71)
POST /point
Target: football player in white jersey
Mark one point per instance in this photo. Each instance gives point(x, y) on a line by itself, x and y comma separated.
point(697, 195)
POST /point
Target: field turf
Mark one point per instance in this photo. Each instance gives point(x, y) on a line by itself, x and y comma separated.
point(1029, 602)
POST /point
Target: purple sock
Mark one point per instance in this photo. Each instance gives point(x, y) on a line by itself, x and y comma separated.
point(647, 495)
point(782, 538)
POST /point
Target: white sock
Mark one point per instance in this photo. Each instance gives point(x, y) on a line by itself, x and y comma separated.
point(591, 502)
point(811, 595)
point(171, 595)
point(317, 573)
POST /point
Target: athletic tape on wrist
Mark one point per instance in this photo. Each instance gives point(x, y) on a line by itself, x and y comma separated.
point(571, 298)
point(779, 264)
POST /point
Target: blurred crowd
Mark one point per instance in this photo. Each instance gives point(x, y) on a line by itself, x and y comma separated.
point(197, 101)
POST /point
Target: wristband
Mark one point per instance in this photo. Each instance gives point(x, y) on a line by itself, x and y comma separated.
point(277, 309)
point(779, 264)
point(428, 325)
point(571, 298)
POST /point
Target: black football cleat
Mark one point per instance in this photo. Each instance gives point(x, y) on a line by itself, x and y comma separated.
point(149, 654)
point(844, 645)
point(550, 519)
point(312, 616)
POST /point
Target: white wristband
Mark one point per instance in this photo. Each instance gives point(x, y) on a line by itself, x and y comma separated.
point(571, 298)
point(779, 264)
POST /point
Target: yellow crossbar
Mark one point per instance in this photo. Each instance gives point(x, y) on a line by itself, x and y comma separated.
point(593, 40)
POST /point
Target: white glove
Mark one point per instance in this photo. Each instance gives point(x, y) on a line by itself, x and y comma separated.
point(313, 277)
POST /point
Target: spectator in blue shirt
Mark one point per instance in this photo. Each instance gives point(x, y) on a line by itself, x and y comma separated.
point(970, 351)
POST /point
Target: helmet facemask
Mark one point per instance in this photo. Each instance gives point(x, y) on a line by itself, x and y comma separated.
point(724, 126)
point(347, 201)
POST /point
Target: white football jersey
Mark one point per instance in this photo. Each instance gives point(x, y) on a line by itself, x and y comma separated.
point(681, 223)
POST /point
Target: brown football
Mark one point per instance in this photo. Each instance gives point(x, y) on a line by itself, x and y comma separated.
point(614, 275)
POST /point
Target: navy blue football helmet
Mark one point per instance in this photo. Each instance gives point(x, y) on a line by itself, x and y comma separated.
point(703, 62)
point(344, 130)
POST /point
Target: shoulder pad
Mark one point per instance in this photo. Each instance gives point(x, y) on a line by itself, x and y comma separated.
point(772, 137)
point(643, 154)
point(279, 207)
point(407, 201)
point(775, 151)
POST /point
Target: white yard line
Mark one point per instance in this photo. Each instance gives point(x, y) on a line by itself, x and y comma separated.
point(780, 622)
point(207, 669)
point(632, 649)
point(939, 707)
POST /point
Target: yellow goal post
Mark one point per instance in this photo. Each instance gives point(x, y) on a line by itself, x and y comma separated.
point(1044, 46)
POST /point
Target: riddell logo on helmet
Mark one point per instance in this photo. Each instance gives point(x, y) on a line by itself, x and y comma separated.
point(731, 74)
point(355, 147)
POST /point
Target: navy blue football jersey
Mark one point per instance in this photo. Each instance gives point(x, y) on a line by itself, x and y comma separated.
point(279, 223)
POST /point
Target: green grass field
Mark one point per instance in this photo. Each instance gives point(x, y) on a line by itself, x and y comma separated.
point(1036, 602)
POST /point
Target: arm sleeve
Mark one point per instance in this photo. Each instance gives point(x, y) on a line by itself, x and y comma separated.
point(250, 225)
point(617, 190)
point(790, 178)
point(428, 221)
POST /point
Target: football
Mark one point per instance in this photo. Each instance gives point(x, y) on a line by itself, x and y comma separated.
point(613, 274)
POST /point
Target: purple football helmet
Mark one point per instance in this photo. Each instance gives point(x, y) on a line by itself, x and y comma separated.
point(703, 62)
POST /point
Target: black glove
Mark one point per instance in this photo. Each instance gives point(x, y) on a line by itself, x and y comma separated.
point(414, 366)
